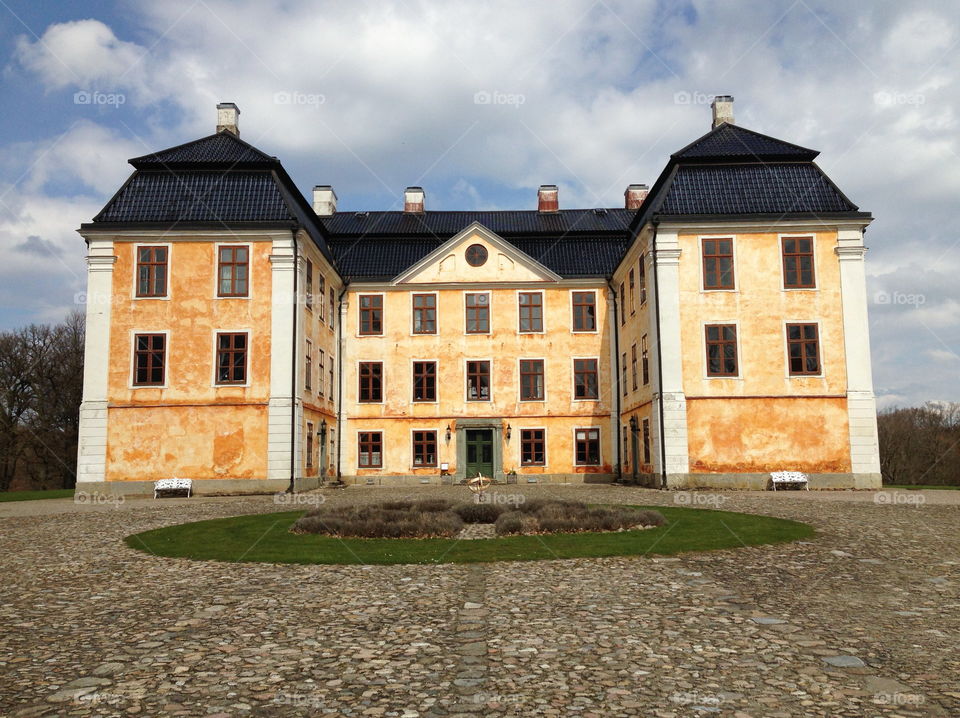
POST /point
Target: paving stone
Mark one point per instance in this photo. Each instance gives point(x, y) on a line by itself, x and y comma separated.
point(631, 636)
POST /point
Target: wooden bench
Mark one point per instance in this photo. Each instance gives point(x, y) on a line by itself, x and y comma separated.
point(165, 485)
point(789, 478)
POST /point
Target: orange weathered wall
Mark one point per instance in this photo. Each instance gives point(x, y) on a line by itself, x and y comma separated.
point(762, 435)
point(190, 428)
point(197, 442)
point(769, 431)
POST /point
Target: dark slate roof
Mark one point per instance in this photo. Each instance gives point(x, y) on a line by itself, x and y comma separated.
point(755, 188)
point(504, 223)
point(730, 141)
point(222, 149)
point(377, 258)
point(198, 197)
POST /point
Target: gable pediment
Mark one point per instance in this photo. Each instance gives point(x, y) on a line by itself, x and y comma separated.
point(476, 254)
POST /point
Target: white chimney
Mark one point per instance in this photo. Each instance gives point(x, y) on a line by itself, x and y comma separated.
point(722, 107)
point(548, 198)
point(413, 200)
point(634, 195)
point(324, 200)
point(228, 118)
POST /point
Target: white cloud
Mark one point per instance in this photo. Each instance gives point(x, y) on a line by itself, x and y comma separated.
point(873, 86)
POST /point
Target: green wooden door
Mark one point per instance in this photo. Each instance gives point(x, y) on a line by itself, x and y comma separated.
point(479, 452)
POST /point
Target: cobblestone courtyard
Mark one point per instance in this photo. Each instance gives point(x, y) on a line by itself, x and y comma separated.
point(93, 628)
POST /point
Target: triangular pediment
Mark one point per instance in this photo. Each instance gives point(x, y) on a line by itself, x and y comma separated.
point(475, 254)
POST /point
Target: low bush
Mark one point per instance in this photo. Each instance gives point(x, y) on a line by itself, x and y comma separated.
point(394, 519)
point(479, 513)
point(549, 516)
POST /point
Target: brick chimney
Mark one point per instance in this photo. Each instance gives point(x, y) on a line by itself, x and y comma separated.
point(413, 200)
point(634, 195)
point(722, 107)
point(324, 200)
point(228, 118)
point(548, 199)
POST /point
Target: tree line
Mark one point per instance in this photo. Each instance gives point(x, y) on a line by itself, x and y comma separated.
point(41, 385)
point(920, 445)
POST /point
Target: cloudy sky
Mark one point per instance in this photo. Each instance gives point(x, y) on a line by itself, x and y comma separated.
point(482, 102)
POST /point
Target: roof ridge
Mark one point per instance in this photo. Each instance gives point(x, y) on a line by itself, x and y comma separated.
point(785, 148)
point(156, 157)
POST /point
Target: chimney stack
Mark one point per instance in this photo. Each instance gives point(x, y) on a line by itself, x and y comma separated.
point(548, 199)
point(413, 200)
point(228, 118)
point(722, 107)
point(324, 200)
point(634, 195)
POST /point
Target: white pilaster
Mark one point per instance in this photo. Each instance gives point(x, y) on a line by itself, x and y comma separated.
point(92, 440)
point(673, 433)
point(861, 404)
point(280, 436)
point(614, 378)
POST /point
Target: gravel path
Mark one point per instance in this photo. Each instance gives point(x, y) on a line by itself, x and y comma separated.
point(863, 620)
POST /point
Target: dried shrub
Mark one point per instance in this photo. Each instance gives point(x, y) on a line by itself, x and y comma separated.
point(479, 513)
point(395, 519)
point(432, 505)
point(551, 516)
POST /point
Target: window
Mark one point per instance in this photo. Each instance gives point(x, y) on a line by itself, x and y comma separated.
point(424, 313)
point(718, 264)
point(478, 313)
point(234, 272)
point(623, 305)
point(585, 382)
point(371, 314)
point(371, 381)
point(533, 447)
point(584, 311)
point(308, 368)
point(721, 349)
point(478, 381)
point(321, 293)
point(331, 378)
point(476, 255)
point(646, 441)
point(633, 294)
point(642, 278)
point(633, 366)
point(309, 287)
point(309, 445)
point(370, 449)
point(531, 311)
point(424, 381)
point(320, 374)
point(531, 380)
point(149, 359)
point(587, 447)
point(151, 271)
point(231, 358)
point(623, 380)
point(798, 263)
point(333, 306)
point(425, 448)
point(803, 349)
point(644, 360)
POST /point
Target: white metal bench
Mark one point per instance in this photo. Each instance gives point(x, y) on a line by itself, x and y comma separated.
point(172, 485)
point(789, 478)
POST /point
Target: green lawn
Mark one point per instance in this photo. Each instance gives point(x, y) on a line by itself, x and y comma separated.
point(35, 495)
point(265, 538)
point(919, 487)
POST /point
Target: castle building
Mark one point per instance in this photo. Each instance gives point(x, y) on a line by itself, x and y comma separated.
point(711, 330)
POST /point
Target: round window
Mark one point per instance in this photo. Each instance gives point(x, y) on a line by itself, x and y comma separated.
point(476, 255)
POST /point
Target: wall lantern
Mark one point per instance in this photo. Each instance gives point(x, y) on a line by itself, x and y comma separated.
point(448, 432)
point(509, 430)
